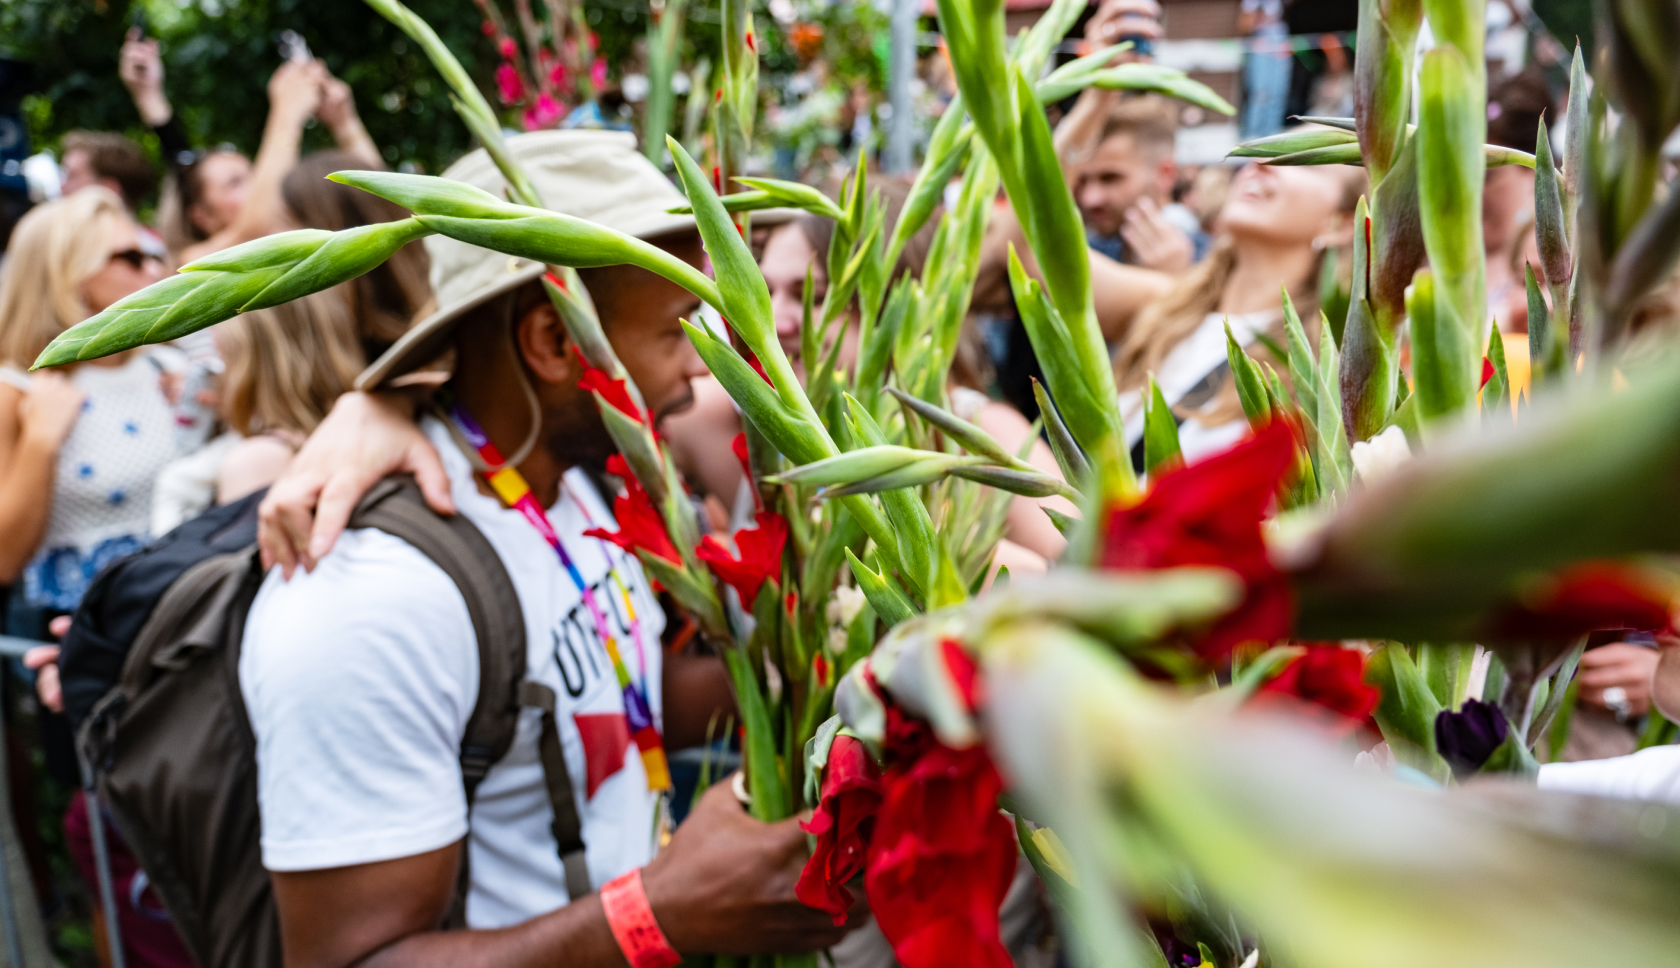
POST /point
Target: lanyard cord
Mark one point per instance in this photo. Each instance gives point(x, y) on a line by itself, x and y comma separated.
point(513, 490)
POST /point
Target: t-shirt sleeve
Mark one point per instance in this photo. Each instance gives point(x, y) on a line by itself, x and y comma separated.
point(359, 679)
point(1652, 774)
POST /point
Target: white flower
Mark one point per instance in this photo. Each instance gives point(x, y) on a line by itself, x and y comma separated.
point(1382, 455)
point(837, 641)
point(844, 606)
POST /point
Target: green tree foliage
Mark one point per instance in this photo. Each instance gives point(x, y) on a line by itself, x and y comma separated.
point(218, 55)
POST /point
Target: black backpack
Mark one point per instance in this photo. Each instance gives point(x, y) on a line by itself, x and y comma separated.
point(150, 672)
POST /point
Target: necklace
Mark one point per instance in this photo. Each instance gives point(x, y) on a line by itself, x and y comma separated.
point(514, 492)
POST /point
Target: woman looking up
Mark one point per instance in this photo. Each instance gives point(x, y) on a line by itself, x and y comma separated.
point(223, 198)
point(1272, 234)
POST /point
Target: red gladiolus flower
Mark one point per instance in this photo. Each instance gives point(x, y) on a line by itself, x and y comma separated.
point(1209, 513)
point(963, 672)
point(760, 560)
point(1487, 372)
point(1328, 678)
point(842, 824)
point(639, 523)
point(1588, 597)
point(752, 45)
point(508, 84)
point(612, 391)
point(942, 856)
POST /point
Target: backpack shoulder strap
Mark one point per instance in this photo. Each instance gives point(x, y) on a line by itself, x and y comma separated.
point(455, 544)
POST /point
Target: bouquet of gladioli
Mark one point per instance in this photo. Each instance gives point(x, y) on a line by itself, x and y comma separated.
point(1162, 829)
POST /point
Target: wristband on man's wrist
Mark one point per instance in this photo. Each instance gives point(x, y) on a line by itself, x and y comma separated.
point(631, 920)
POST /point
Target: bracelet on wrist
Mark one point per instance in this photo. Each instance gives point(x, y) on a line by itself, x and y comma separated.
point(631, 920)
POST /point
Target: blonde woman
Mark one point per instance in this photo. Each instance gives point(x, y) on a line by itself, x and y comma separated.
point(79, 446)
point(285, 367)
point(1273, 232)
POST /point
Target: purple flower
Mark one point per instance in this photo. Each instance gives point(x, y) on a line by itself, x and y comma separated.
point(1467, 739)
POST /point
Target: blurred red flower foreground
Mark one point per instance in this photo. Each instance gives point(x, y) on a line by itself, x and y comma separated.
point(1209, 513)
point(937, 855)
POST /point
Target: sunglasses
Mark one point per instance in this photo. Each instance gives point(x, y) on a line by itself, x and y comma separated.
point(135, 257)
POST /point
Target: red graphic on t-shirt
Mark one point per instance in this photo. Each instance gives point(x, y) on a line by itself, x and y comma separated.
point(605, 738)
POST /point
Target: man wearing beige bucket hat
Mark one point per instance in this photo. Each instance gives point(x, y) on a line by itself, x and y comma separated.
point(360, 674)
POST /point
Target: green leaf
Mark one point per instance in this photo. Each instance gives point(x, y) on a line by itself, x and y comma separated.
point(1443, 367)
point(884, 596)
point(764, 776)
point(1251, 385)
point(1292, 142)
point(799, 439)
point(1512, 758)
point(1551, 234)
point(1408, 708)
point(1496, 396)
point(1450, 174)
point(1076, 470)
point(342, 256)
point(1142, 78)
point(746, 298)
point(1577, 132)
point(1545, 344)
point(1303, 368)
point(1383, 66)
point(1160, 432)
point(918, 544)
point(795, 195)
point(909, 465)
point(970, 436)
point(1090, 413)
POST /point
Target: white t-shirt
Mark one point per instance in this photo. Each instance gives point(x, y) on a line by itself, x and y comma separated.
point(1651, 774)
point(359, 679)
point(1183, 369)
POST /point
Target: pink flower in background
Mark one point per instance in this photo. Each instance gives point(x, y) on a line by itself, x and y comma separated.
point(488, 28)
point(507, 48)
point(512, 89)
point(545, 112)
point(598, 73)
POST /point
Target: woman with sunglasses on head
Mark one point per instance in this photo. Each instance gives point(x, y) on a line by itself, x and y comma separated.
point(79, 445)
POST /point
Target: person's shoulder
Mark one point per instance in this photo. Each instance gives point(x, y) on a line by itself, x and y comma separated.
point(377, 613)
point(370, 581)
point(250, 465)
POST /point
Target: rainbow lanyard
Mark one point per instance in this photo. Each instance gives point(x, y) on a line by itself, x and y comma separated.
point(510, 486)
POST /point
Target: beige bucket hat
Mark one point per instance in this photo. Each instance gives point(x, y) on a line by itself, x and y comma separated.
point(594, 175)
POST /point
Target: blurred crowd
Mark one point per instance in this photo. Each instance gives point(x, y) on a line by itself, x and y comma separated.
point(99, 459)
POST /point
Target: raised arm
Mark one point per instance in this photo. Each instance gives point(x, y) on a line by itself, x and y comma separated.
point(366, 437)
point(33, 427)
point(338, 113)
point(294, 93)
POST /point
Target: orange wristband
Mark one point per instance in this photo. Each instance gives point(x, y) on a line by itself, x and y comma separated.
point(633, 925)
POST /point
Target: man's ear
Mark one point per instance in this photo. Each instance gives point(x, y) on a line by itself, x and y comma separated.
point(1166, 175)
point(544, 346)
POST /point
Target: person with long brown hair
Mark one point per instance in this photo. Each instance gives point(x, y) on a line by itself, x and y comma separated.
point(1272, 235)
point(385, 300)
point(221, 198)
point(285, 367)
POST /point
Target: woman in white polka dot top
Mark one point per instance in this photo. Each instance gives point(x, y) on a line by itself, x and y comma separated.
point(80, 447)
